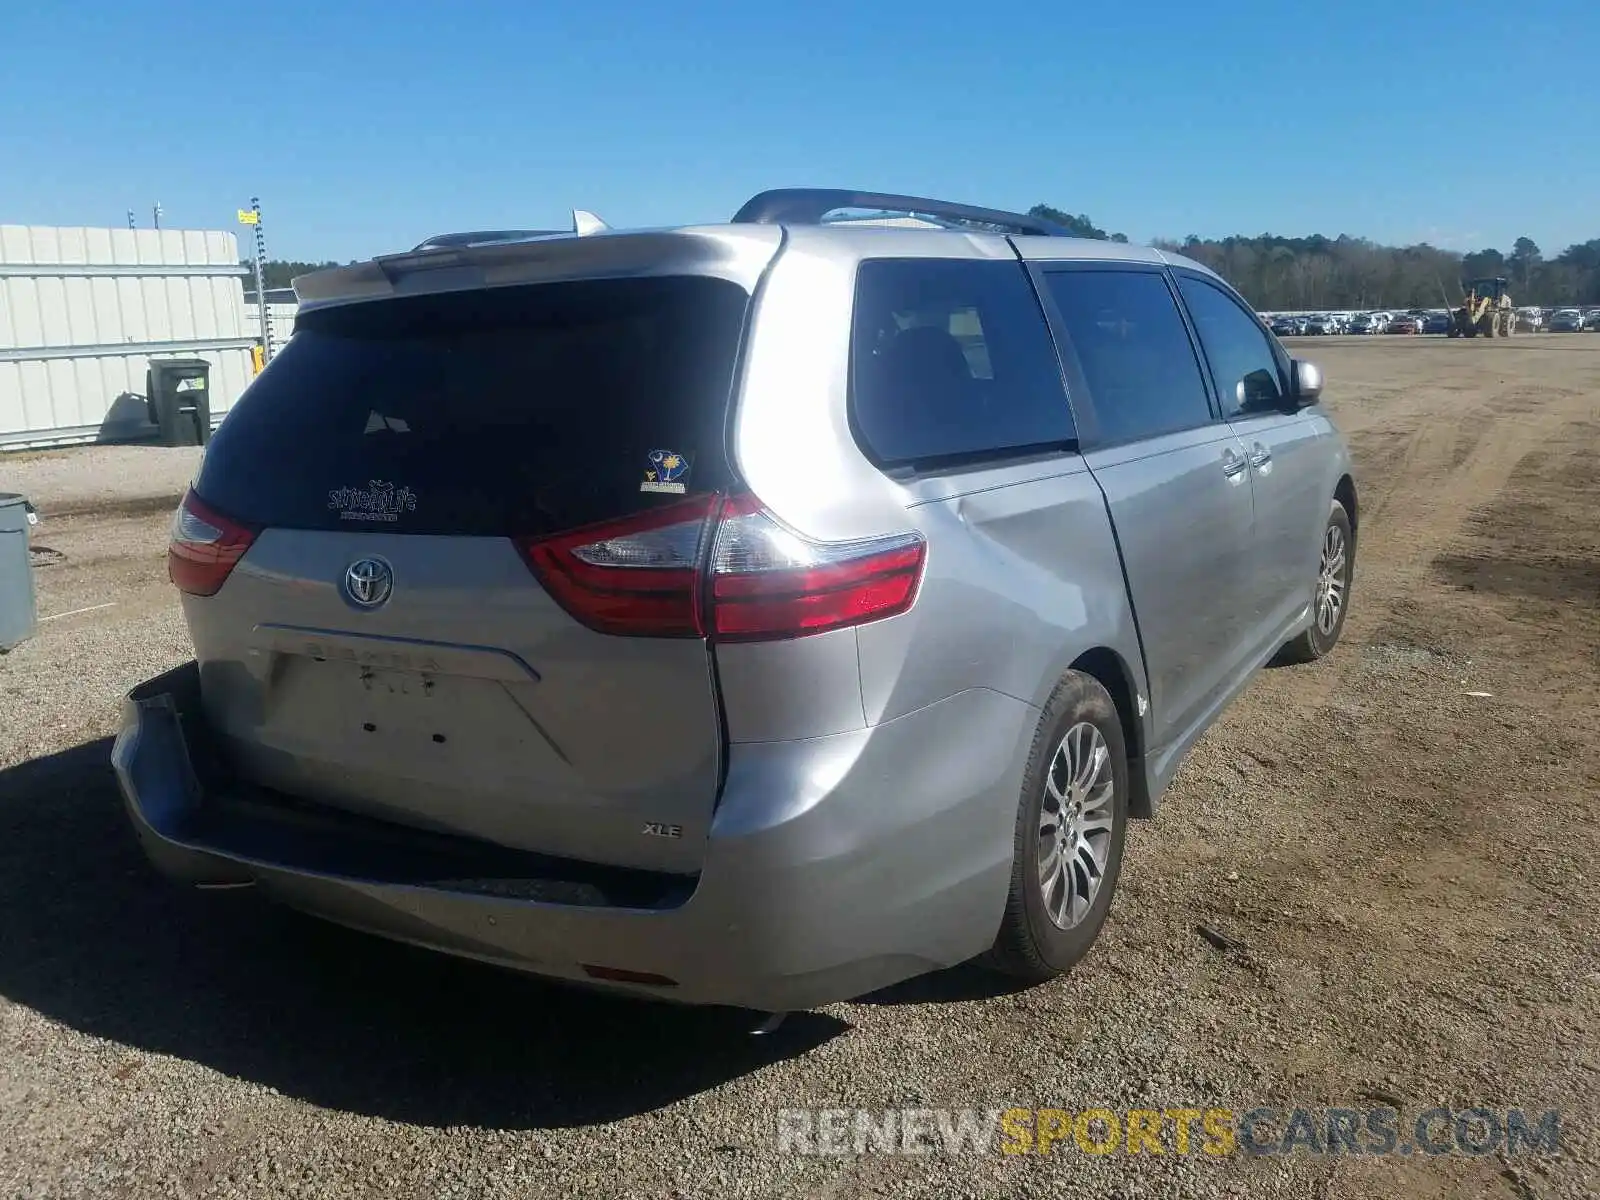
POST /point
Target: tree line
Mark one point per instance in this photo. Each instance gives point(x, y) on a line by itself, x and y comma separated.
point(1317, 272)
point(1345, 272)
point(279, 274)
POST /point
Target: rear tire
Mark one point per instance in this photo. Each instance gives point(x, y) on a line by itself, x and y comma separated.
point(1066, 814)
point(1335, 571)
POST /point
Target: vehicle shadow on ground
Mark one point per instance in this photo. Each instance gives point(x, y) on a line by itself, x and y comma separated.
point(954, 985)
point(90, 936)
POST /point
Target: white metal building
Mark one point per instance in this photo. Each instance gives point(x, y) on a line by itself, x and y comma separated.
point(82, 312)
point(281, 309)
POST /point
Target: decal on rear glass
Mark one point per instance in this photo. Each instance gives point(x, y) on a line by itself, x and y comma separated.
point(668, 472)
point(378, 501)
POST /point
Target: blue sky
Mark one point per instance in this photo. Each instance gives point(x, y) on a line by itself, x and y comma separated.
point(366, 126)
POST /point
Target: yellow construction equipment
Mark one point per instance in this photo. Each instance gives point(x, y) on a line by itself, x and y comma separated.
point(1485, 310)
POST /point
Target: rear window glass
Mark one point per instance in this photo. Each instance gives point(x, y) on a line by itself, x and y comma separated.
point(952, 360)
point(505, 411)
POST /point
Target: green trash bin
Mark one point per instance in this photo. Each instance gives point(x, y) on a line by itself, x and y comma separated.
point(178, 391)
point(17, 618)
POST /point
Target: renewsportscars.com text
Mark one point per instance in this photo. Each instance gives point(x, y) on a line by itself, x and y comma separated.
point(1210, 1132)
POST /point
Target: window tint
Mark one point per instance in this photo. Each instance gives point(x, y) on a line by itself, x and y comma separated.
point(505, 411)
point(1242, 362)
point(952, 359)
point(1136, 356)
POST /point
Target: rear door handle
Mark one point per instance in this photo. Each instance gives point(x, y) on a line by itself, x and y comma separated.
point(1233, 465)
point(1260, 456)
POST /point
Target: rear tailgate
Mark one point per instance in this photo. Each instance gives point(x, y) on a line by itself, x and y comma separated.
point(384, 646)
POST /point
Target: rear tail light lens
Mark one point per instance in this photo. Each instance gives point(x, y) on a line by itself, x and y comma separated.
point(724, 568)
point(205, 546)
point(766, 581)
point(636, 576)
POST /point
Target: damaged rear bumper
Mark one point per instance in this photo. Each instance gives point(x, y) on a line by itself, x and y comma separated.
point(818, 883)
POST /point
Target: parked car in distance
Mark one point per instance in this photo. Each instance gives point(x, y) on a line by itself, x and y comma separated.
point(1285, 326)
point(1591, 320)
point(838, 645)
point(1436, 323)
point(1404, 323)
point(1530, 320)
point(1566, 320)
point(1359, 323)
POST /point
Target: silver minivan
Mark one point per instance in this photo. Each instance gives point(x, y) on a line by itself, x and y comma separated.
point(758, 613)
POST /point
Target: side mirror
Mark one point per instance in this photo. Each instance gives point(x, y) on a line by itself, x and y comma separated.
point(1259, 391)
point(1306, 383)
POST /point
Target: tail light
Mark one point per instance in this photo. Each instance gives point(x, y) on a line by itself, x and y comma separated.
point(723, 567)
point(205, 546)
point(635, 576)
point(766, 581)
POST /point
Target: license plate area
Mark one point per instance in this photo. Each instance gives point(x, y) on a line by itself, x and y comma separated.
point(412, 685)
point(408, 706)
point(389, 720)
point(359, 697)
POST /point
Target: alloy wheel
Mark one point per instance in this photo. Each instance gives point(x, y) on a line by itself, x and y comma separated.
point(1331, 582)
point(1075, 825)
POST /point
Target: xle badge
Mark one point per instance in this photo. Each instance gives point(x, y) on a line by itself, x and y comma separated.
point(659, 829)
point(668, 472)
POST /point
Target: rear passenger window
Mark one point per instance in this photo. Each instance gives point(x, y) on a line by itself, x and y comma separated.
point(1135, 353)
point(1242, 362)
point(952, 360)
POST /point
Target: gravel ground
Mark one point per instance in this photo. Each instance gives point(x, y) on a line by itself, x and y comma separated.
point(83, 477)
point(1402, 869)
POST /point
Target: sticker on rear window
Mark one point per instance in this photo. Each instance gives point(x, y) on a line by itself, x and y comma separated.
point(378, 501)
point(668, 472)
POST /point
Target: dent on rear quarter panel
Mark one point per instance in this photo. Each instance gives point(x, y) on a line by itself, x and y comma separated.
point(1022, 575)
point(1021, 580)
point(805, 688)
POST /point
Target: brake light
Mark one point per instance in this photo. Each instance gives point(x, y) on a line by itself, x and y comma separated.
point(723, 568)
point(766, 581)
point(205, 546)
point(639, 575)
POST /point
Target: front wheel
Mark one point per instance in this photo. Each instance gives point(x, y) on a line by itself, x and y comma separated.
point(1331, 602)
point(1072, 819)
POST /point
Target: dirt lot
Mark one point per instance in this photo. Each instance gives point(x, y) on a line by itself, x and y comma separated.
point(1400, 842)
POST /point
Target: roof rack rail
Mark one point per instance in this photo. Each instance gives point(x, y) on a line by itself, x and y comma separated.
point(807, 206)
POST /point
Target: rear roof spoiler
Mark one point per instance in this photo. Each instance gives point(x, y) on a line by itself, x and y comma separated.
point(808, 206)
point(739, 253)
point(484, 237)
point(584, 223)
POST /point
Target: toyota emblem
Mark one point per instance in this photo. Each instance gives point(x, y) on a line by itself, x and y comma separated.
point(368, 582)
